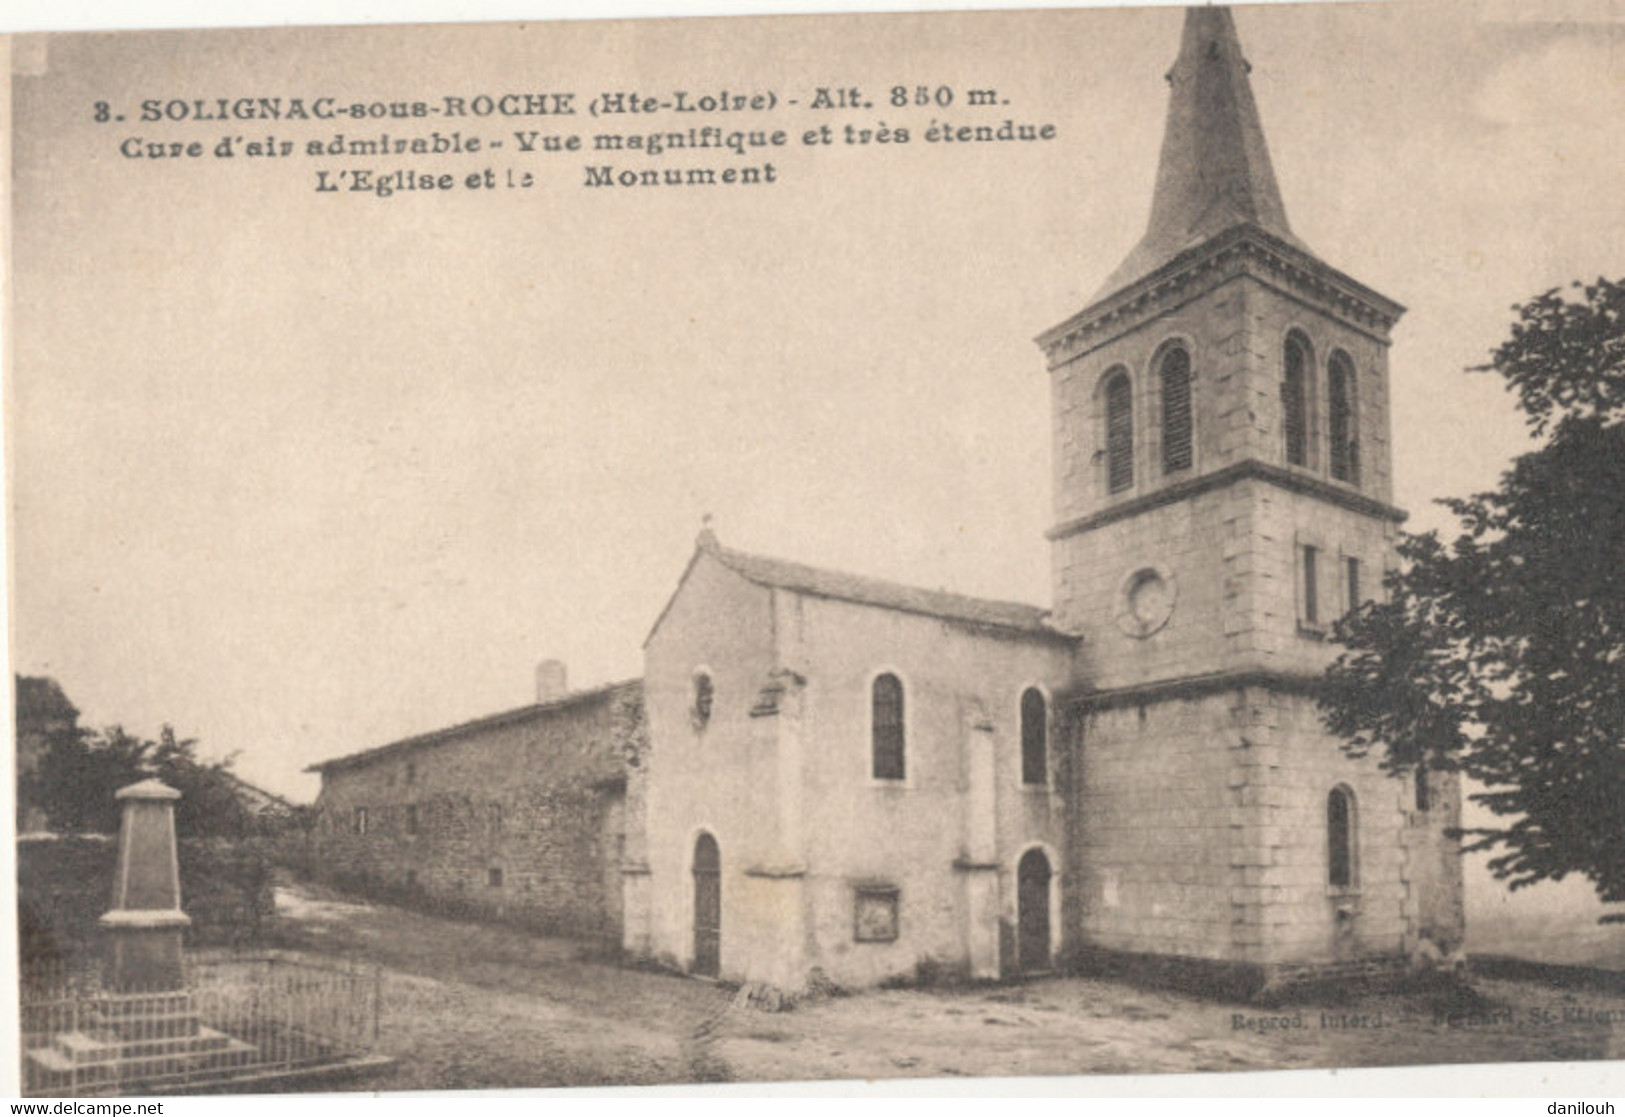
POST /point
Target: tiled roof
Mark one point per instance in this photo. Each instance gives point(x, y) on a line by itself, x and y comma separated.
point(817, 582)
point(490, 721)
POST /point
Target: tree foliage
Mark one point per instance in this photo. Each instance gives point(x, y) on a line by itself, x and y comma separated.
point(80, 772)
point(1501, 653)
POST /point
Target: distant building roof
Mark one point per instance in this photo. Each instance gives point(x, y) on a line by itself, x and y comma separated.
point(256, 797)
point(490, 721)
point(817, 582)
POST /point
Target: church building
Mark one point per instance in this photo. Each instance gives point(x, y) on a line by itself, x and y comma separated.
point(835, 778)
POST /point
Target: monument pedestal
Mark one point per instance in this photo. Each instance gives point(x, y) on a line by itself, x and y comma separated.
point(145, 925)
point(144, 950)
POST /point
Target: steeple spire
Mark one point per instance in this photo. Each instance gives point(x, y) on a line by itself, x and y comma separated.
point(1215, 170)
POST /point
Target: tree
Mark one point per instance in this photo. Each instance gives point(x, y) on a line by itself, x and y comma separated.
point(79, 773)
point(1501, 654)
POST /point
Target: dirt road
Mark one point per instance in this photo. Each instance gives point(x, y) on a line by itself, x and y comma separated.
point(470, 1005)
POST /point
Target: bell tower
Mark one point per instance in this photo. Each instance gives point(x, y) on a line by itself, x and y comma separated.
point(1219, 406)
point(1222, 493)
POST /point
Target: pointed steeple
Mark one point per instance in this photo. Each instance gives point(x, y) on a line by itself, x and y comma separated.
point(1215, 170)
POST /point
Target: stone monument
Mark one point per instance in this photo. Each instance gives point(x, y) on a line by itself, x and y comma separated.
point(144, 1030)
point(146, 922)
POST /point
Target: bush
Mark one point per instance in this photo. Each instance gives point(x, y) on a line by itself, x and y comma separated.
point(65, 885)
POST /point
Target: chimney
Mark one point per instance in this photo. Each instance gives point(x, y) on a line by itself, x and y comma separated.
point(550, 682)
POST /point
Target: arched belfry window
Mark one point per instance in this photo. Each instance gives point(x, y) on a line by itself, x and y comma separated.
point(1176, 410)
point(1295, 399)
point(886, 703)
point(1340, 838)
point(1343, 415)
point(1119, 432)
point(1034, 737)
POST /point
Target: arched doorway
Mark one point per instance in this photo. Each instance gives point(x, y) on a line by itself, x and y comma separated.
point(707, 907)
point(1032, 912)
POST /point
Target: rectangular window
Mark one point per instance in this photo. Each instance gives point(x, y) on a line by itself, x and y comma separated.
point(1310, 559)
point(1352, 577)
point(875, 917)
point(494, 877)
point(361, 820)
point(1424, 798)
point(411, 818)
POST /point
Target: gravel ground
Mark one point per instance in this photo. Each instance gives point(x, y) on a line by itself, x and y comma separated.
point(469, 1005)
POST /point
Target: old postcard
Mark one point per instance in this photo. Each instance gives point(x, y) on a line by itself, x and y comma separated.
point(805, 548)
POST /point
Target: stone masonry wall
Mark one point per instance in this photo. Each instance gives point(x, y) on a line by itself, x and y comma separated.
point(1232, 552)
point(517, 817)
point(1436, 870)
point(1201, 832)
point(1199, 546)
point(1213, 328)
point(1156, 828)
point(1288, 768)
point(1270, 314)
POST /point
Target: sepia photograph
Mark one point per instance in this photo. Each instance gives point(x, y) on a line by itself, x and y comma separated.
point(833, 547)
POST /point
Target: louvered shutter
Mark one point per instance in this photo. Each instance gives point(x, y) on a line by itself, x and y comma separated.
point(1295, 404)
point(1176, 411)
point(1119, 434)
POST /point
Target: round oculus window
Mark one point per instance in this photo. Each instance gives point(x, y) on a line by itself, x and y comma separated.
point(1147, 602)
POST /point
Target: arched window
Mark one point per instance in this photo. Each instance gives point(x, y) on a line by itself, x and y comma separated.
point(1340, 838)
point(1176, 410)
point(887, 727)
point(1034, 737)
point(1424, 798)
point(1295, 399)
point(1343, 414)
point(1119, 433)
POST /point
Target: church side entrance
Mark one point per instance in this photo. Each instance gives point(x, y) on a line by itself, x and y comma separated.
point(1032, 912)
point(707, 907)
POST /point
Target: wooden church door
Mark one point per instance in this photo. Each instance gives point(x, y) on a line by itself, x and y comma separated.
point(707, 907)
point(1032, 912)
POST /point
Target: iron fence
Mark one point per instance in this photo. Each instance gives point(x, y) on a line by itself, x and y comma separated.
point(238, 1018)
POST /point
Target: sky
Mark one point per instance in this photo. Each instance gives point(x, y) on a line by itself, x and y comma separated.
point(301, 473)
